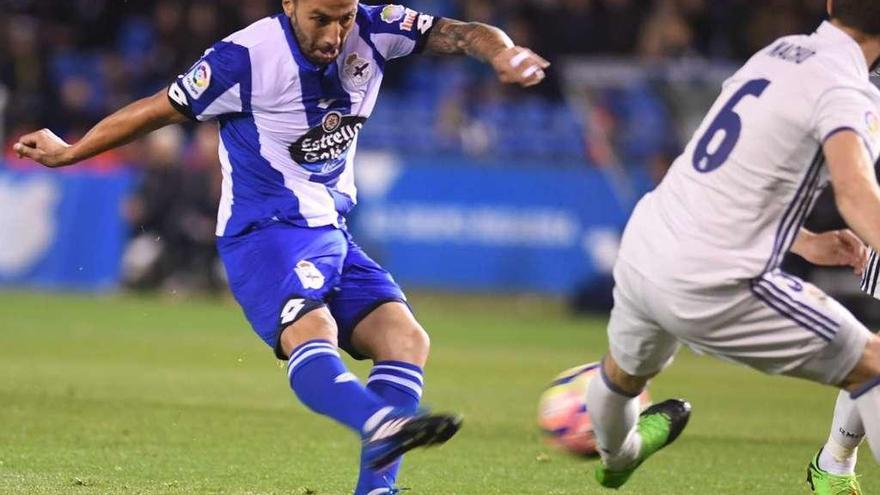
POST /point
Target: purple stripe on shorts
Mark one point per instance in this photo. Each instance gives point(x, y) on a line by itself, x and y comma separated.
point(790, 313)
point(780, 293)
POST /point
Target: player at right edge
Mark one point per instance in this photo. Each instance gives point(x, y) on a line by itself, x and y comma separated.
point(699, 260)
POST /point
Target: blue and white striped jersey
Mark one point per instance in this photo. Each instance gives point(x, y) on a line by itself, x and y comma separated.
point(289, 128)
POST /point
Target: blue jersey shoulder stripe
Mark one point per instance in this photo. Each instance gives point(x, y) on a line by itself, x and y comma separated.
point(251, 172)
point(230, 64)
point(365, 29)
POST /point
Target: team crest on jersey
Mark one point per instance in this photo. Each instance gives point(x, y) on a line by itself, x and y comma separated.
point(198, 79)
point(393, 13)
point(331, 121)
point(872, 122)
point(309, 275)
point(357, 70)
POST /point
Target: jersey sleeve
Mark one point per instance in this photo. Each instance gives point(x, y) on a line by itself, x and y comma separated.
point(397, 31)
point(215, 85)
point(848, 109)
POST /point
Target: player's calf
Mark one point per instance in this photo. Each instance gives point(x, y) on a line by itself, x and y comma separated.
point(319, 377)
point(863, 384)
point(867, 368)
point(627, 384)
point(391, 333)
point(614, 409)
point(399, 347)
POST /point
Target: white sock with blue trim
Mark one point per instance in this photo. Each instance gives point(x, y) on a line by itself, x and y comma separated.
point(840, 453)
point(614, 414)
point(867, 399)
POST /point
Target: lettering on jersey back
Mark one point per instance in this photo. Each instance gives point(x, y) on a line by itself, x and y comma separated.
point(791, 52)
point(320, 149)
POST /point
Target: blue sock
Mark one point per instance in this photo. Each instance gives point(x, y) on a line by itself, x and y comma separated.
point(400, 385)
point(320, 380)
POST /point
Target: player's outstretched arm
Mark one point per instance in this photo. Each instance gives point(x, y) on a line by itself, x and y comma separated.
point(129, 123)
point(832, 248)
point(855, 186)
point(514, 64)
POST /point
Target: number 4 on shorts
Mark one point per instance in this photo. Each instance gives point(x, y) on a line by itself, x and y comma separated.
point(291, 310)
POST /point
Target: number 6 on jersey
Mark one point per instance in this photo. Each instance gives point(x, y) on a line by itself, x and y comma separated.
point(728, 121)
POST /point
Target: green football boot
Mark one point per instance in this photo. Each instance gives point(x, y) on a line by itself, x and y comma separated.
point(824, 483)
point(659, 426)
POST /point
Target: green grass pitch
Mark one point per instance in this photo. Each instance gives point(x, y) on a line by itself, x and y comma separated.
point(126, 395)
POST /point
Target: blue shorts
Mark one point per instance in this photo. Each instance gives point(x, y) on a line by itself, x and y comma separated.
point(281, 272)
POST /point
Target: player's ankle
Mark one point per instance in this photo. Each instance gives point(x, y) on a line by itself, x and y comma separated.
point(837, 460)
point(625, 456)
point(376, 419)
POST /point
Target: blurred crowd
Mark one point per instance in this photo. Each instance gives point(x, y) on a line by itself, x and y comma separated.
point(65, 64)
point(172, 212)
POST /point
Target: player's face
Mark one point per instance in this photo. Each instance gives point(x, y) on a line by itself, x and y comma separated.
point(321, 26)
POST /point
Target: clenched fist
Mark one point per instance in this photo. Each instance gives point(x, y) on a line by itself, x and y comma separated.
point(43, 147)
point(518, 65)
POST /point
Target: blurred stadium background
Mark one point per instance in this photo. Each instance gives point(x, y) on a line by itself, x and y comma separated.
point(465, 184)
point(499, 208)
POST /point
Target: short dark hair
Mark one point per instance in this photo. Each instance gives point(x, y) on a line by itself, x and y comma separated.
point(863, 15)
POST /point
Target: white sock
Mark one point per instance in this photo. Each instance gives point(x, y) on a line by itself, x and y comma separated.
point(840, 453)
point(867, 399)
point(614, 415)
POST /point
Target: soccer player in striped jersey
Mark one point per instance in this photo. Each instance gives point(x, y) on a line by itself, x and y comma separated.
point(291, 93)
point(871, 275)
point(699, 260)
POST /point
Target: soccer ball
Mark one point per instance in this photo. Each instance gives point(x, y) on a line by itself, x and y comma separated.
point(562, 411)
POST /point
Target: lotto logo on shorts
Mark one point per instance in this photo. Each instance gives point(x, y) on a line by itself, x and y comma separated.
point(291, 310)
point(309, 275)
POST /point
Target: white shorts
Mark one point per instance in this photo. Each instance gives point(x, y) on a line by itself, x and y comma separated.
point(776, 323)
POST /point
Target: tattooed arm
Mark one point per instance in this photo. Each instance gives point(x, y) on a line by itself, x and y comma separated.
point(489, 44)
point(478, 40)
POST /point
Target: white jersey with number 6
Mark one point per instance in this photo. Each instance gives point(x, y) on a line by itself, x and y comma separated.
point(733, 202)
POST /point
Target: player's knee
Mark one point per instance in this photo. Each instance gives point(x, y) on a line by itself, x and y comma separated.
point(391, 333)
point(315, 325)
point(404, 342)
point(409, 343)
point(868, 367)
point(416, 340)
